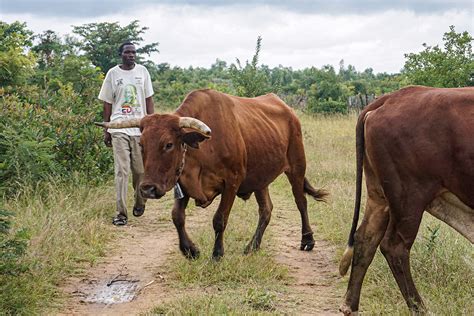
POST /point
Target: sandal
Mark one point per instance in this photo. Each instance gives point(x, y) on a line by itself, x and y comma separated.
point(119, 221)
point(138, 211)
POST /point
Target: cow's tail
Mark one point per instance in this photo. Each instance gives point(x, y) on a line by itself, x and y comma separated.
point(318, 195)
point(347, 256)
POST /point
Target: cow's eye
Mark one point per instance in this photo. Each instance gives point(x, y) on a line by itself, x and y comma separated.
point(169, 146)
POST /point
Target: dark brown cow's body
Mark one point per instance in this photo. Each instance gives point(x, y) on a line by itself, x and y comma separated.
point(416, 146)
point(253, 141)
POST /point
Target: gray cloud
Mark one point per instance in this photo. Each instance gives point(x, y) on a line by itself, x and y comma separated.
point(94, 8)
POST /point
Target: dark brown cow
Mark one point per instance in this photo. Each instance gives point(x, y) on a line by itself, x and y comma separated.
point(254, 140)
point(416, 146)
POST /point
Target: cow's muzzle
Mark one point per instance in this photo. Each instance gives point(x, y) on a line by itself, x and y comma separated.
point(150, 191)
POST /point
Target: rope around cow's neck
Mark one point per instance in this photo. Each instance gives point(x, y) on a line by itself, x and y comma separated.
point(181, 167)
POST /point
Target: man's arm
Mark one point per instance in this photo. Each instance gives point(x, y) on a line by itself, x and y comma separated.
point(150, 107)
point(106, 116)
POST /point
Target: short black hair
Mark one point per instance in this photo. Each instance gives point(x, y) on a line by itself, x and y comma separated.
point(120, 49)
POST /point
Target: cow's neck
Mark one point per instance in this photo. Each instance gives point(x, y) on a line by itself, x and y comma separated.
point(181, 167)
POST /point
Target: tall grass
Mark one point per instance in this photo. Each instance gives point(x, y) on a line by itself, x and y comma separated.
point(65, 224)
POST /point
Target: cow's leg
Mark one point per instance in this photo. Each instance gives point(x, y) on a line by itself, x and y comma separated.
point(296, 178)
point(396, 245)
point(186, 246)
point(220, 219)
point(265, 208)
point(367, 239)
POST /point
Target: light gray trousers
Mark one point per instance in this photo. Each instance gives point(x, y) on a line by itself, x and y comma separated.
point(127, 156)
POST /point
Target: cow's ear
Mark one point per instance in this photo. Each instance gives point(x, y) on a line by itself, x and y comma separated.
point(192, 138)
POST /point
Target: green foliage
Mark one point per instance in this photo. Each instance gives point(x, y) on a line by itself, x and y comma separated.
point(450, 67)
point(100, 42)
point(16, 66)
point(53, 137)
point(14, 35)
point(250, 81)
point(328, 106)
point(13, 266)
point(12, 246)
point(49, 50)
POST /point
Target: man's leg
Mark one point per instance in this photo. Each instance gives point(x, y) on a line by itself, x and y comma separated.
point(121, 147)
point(137, 175)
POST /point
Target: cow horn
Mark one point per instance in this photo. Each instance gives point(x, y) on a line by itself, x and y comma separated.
point(120, 124)
point(196, 124)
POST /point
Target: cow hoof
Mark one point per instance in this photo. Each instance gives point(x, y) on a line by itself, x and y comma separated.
point(217, 255)
point(251, 247)
point(191, 252)
point(307, 242)
point(347, 311)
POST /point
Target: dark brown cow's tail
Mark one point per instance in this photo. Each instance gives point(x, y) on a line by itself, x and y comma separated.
point(318, 195)
point(347, 256)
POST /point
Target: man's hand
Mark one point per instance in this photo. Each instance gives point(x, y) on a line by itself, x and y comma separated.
point(107, 139)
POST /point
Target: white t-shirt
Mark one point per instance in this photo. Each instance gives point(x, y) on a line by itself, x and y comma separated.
point(126, 90)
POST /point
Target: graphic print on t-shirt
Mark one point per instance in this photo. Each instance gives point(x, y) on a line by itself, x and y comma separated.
point(130, 105)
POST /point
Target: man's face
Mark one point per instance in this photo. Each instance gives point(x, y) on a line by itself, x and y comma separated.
point(128, 55)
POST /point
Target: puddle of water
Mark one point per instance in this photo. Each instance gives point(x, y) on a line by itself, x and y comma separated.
point(114, 293)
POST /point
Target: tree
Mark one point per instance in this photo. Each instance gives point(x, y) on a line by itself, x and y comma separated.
point(100, 41)
point(250, 81)
point(49, 48)
point(452, 66)
point(16, 64)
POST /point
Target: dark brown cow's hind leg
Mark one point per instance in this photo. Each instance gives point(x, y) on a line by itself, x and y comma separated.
point(396, 244)
point(265, 208)
point(296, 178)
point(367, 239)
point(186, 246)
point(221, 217)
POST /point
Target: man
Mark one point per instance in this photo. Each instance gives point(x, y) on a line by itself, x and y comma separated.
point(127, 94)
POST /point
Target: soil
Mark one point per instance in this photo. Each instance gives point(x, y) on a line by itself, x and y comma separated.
point(132, 278)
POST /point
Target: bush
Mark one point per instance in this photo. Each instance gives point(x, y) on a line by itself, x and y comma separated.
point(326, 106)
point(49, 134)
point(13, 267)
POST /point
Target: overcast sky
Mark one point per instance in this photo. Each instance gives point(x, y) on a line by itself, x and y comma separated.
point(298, 34)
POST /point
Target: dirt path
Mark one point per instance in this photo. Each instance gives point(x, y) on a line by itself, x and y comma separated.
point(136, 264)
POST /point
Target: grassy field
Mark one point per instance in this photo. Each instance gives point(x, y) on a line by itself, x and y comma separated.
point(69, 228)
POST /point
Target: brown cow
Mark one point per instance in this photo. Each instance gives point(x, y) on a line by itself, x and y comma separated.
point(254, 140)
point(416, 146)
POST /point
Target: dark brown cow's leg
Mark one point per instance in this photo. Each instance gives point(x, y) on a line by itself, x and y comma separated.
point(296, 178)
point(265, 208)
point(367, 239)
point(395, 246)
point(220, 219)
point(186, 246)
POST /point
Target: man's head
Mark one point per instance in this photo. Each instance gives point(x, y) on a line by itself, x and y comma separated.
point(128, 53)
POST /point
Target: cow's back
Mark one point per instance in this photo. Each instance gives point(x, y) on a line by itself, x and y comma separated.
point(427, 134)
point(250, 132)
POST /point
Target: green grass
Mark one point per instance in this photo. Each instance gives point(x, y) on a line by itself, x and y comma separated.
point(67, 229)
point(237, 284)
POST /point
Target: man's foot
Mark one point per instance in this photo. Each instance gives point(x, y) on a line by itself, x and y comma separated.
point(138, 211)
point(119, 221)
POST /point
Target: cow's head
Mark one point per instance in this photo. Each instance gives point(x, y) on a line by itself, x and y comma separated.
point(164, 140)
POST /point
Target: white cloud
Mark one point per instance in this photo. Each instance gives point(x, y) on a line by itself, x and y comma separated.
point(197, 35)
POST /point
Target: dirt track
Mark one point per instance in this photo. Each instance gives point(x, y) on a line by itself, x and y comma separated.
point(137, 262)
